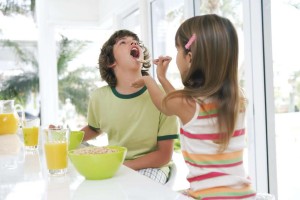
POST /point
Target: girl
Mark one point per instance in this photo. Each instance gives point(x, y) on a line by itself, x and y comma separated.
point(211, 107)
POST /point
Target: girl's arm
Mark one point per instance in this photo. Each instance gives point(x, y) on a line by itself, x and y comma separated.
point(182, 107)
point(179, 106)
point(173, 106)
point(156, 94)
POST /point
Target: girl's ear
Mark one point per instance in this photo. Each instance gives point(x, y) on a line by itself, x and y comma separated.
point(188, 57)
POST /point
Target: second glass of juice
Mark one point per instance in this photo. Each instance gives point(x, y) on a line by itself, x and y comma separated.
point(31, 133)
point(55, 149)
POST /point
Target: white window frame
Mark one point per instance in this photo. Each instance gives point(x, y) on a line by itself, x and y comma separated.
point(259, 87)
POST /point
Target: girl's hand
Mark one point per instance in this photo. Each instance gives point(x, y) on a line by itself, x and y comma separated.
point(138, 83)
point(162, 66)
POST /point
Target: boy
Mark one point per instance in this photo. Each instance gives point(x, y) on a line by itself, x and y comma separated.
point(127, 114)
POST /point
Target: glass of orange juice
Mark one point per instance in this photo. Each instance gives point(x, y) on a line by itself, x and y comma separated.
point(31, 133)
point(55, 150)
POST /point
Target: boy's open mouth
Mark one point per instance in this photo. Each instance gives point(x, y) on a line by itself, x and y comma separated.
point(134, 52)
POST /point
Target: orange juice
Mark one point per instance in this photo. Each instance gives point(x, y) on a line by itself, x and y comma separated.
point(8, 123)
point(56, 155)
point(31, 136)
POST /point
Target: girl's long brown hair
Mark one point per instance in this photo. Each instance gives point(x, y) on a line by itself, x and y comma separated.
point(213, 71)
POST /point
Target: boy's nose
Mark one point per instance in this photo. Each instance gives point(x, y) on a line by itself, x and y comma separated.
point(134, 43)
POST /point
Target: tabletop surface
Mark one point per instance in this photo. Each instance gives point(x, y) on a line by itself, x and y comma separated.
point(23, 175)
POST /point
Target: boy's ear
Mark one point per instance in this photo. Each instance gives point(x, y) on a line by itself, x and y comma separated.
point(112, 65)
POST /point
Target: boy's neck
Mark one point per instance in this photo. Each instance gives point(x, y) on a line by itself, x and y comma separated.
point(124, 84)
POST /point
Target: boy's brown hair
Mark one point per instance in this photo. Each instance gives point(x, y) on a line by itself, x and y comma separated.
point(107, 58)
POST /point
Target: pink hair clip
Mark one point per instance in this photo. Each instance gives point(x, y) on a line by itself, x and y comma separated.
point(191, 40)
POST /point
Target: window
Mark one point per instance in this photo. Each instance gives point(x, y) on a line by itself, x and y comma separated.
point(286, 81)
point(166, 16)
point(131, 22)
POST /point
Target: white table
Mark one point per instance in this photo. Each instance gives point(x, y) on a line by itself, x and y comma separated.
point(23, 175)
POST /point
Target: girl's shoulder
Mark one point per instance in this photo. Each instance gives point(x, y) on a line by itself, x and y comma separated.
point(207, 104)
point(182, 106)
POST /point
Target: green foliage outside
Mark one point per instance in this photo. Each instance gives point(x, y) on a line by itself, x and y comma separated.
point(23, 7)
point(71, 84)
point(74, 85)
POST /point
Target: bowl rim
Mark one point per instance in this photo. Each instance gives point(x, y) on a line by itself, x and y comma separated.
point(120, 148)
